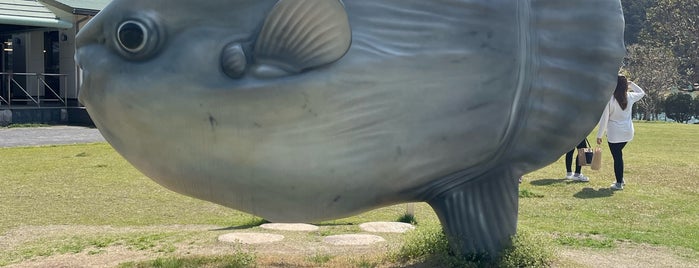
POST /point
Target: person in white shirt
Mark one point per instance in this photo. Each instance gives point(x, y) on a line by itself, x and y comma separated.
point(616, 121)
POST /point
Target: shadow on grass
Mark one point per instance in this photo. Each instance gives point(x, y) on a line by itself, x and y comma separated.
point(256, 224)
point(251, 224)
point(239, 227)
point(544, 182)
point(588, 192)
point(335, 224)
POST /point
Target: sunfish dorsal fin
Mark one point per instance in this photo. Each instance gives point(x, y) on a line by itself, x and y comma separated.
point(298, 35)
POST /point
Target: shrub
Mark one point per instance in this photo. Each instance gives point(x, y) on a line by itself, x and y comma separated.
point(429, 245)
point(407, 218)
point(528, 250)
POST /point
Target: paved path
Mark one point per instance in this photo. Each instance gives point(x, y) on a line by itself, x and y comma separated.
point(37, 136)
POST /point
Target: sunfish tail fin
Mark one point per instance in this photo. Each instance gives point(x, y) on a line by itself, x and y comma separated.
point(480, 217)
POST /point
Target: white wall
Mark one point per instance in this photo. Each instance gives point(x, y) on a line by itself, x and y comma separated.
point(67, 61)
point(67, 51)
point(35, 59)
point(28, 57)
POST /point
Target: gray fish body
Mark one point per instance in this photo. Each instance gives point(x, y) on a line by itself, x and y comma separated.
point(429, 99)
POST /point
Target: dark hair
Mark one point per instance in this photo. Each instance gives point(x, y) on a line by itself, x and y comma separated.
point(622, 85)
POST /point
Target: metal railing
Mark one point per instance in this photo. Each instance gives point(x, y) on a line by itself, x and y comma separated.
point(8, 96)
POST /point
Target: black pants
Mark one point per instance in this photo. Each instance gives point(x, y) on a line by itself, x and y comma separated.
point(615, 149)
point(569, 157)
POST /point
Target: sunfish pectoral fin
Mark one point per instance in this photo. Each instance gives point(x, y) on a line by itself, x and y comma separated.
point(298, 35)
point(233, 60)
point(479, 217)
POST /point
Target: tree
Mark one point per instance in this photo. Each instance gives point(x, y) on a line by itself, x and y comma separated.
point(695, 106)
point(678, 107)
point(635, 18)
point(642, 64)
point(675, 24)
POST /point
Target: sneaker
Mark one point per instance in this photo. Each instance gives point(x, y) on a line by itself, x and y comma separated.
point(580, 177)
point(617, 186)
point(569, 175)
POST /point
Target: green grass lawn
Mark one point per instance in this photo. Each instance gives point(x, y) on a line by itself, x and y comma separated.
point(659, 204)
point(91, 185)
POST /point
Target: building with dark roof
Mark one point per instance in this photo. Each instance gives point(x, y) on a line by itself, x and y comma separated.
point(39, 78)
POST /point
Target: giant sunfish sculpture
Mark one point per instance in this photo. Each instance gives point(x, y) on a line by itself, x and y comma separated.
point(308, 110)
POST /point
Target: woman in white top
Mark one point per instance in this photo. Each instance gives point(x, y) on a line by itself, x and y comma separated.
point(616, 121)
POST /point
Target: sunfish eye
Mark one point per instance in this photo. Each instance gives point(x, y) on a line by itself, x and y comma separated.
point(138, 39)
point(132, 36)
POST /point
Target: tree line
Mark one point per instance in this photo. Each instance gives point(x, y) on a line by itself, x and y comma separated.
point(662, 40)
